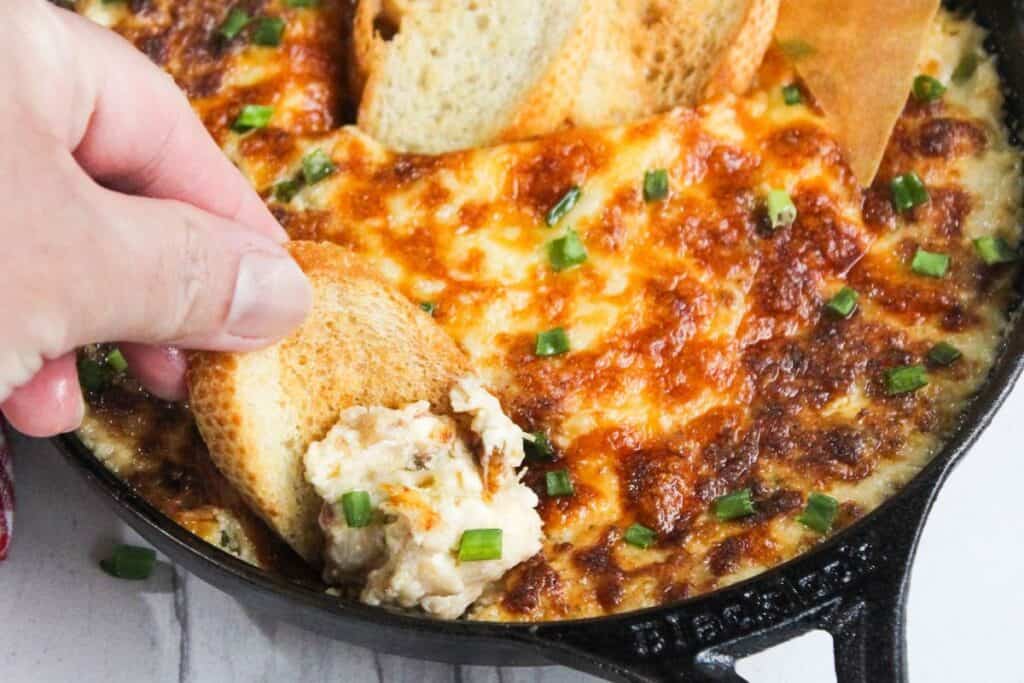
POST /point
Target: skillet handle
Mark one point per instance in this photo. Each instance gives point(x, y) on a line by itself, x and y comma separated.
point(869, 636)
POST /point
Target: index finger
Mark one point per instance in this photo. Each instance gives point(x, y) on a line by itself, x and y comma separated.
point(142, 137)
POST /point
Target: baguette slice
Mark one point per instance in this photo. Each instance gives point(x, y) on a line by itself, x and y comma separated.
point(443, 75)
point(652, 55)
point(434, 82)
point(362, 344)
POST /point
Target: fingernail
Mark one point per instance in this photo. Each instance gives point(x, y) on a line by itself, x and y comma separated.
point(272, 297)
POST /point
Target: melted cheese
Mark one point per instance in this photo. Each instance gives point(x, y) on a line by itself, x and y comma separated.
point(701, 359)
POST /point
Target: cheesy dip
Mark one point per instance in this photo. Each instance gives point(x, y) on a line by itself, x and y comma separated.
point(723, 349)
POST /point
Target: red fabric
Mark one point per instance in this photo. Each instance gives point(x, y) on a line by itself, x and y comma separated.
point(6, 493)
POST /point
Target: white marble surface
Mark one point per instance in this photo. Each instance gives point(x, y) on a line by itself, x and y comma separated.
point(61, 618)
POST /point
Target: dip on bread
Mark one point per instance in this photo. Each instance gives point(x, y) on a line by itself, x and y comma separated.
point(429, 508)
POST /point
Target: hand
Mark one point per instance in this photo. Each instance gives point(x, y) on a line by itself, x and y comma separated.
point(120, 220)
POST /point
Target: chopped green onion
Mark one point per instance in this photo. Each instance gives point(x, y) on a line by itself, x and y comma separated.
point(116, 360)
point(252, 116)
point(796, 49)
point(563, 206)
point(733, 505)
point(316, 166)
point(285, 190)
point(105, 2)
point(944, 353)
point(428, 306)
point(268, 31)
point(904, 379)
point(908, 191)
point(302, 3)
point(820, 512)
point(843, 303)
point(791, 94)
point(552, 342)
point(92, 375)
point(994, 250)
point(655, 185)
point(566, 252)
point(540, 449)
point(930, 263)
point(781, 210)
point(130, 562)
point(559, 483)
point(640, 536)
point(236, 20)
point(966, 67)
point(480, 544)
point(928, 89)
point(357, 508)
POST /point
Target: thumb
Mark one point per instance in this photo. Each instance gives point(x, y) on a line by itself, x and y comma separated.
point(170, 273)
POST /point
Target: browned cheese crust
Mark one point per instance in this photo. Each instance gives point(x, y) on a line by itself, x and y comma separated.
point(703, 360)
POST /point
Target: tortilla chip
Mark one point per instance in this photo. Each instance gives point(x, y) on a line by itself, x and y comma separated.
point(858, 59)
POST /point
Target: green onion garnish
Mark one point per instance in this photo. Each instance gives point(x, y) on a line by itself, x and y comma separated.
point(994, 250)
point(559, 483)
point(236, 20)
point(116, 360)
point(316, 166)
point(302, 3)
point(285, 190)
point(640, 536)
point(908, 191)
point(428, 306)
point(563, 206)
point(540, 449)
point(566, 252)
point(268, 31)
point(130, 562)
point(781, 210)
point(92, 375)
point(928, 89)
point(357, 508)
point(791, 94)
point(904, 379)
point(944, 353)
point(820, 512)
point(966, 67)
point(733, 505)
point(480, 544)
point(930, 263)
point(655, 184)
point(252, 116)
point(552, 342)
point(843, 303)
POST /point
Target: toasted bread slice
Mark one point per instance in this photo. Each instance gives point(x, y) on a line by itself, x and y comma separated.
point(652, 55)
point(362, 344)
point(432, 81)
point(452, 74)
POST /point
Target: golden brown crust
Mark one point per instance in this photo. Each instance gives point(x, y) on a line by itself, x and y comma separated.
point(362, 344)
point(735, 68)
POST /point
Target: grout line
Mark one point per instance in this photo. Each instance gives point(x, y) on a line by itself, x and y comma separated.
point(181, 615)
point(376, 665)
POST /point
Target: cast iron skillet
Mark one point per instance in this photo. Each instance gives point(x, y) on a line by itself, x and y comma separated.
point(853, 586)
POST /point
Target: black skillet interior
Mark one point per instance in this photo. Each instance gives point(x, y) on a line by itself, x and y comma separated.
point(853, 586)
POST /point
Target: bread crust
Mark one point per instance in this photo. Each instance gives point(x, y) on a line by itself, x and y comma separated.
point(735, 68)
point(362, 344)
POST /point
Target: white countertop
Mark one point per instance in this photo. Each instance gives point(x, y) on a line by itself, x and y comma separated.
point(61, 618)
